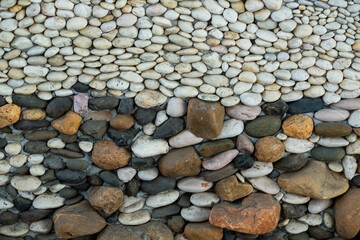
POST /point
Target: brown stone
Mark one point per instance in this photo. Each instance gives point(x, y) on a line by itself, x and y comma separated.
point(77, 220)
point(356, 46)
point(269, 149)
point(230, 189)
point(205, 119)
point(109, 156)
point(117, 232)
point(106, 199)
point(258, 213)
point(357, 131)
point(122, 122)
point(332, 129)
point(298, 126)
point(100, 115)
point(244, 144)
point(315, 180)
point(200, 231)
point(180, 162)
point(33, 114)
point(9, 114)
point(347, 214)
point(68, 124)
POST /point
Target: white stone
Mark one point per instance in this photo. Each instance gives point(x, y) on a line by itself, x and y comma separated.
point(319, 205)
point(131, 204)
point(55, 23)
point(25, 183)
point(350, 165)
point(333, 142)
point(295, 227)
point(295, 199)
point(251, 99)
point(195, 214)
point(148, 174)
point(14, 230)
point(48, 201)
point(254, 5)
point(5, 204)
point(13, 148)
point(231, 128)
point(43, 226)
point(136, 218)
point(76, 23)
point(354, 119)
point(259, 169)
point(266, 35)
point(294, 145)
point(205, 199)
point(162, 199)
point(144, 146)
point(265, 184)
point(311, 219)
point(126, 174)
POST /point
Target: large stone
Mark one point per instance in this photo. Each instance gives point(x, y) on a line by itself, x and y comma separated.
point(230, 189)
point(9, 114)
point(269, 149)
point(107, 155)
point(333, 129)
point(103, 103)
point(347, 214)
point(181, 162)
point(298, 126)
point(258, 213)
point(200, 231)
point(67, 219)
point(205, 119)
point(315, 180)
point(263, 126)
point(68, 124)
point(106, 199)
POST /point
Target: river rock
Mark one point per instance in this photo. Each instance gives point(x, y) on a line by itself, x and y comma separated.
point(48, 201)
point(25, 183)
point(277, 108)
point(259, 169)
point(333, 129)
point(145, 116)
point(243, 112)
point(298, 126)
point(103, 103)
point(68, 123)
point(230, 189)
point(28, 101)
point(348, 104)
point(194, 184)
point(327, 154)
point(107, 155)
point(292, 162)
point(162, 199)
point(149, 98)
point(332, 115)
point(107, 199)
point(244, 144)
point(94, 128)
point(58, 106)
point(157, 185)
point(306, 105)
point(41, 135)
point(144, 146)
point(220, 160)
point(269, 149)
point(14, 230)
point(169, 128)
point(204, 199)
point(198, 231)
point(213, 176)
point(211, 148)
point(9, 114)
point(265, 184)
point(293, 145)
point(184, 139)
point(263, 126)
point(195, 214)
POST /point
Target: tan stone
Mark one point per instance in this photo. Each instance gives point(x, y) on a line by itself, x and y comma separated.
point(269, 149)
point(68, 124)
point(9, 114)
point(356, 46)
point(33, 114)
point(298, 126)
point(100, 115)
point(200, 231)
point(109, 156)
point(122, 122)
point(238, 6)
point(106, 199)
point(230, 189)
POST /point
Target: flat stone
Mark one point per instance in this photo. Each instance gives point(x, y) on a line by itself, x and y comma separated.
point(220, 160)
point(157, 185)
point(94, 128)
point(348, 104)
point(205, 119)
point(198, 231)
point(195, 214)
point(269, 149)
point(7, 217)
point(66, 153)
point(35, 147)
point(169, 128)
point(70, 176)
point(99, 115)
point(258, 214)
point(106, 199)
point(66, 219)
point(277, 108)
point(122, 122)
point(243, 112)
point(9, 114)
point(204, 199)
point(306, 105)
point(48, 201)
point(144, 147)
point(259, 169)
point(333, 129)
point(332, 115)
point(26, 125)
point(211, 148)
point(263, 126)
point(33, 114)
point(149, 98)
point(213, 176)
point(14, 230)
point(25, 183)
point(107, 155)
point(68, 123)
point(34, 215)
point(293, 145)
point(180, 163)
point(244, 144)
point(41, 135)
point(103, 103)
point(28, 101)
point(118, 232)
point(183, 139)
point(162, 199)
point(230, 189)
point(194, 184)
point(328, 154)
point(58, 106)
point(319, 181)
point(292, 162)
point(166, 211)
point(298, 126)
point(231, 128)
point(265, 184)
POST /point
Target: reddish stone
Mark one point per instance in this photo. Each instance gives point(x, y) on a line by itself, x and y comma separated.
point(258, 213)
point(230, 189)
point(109, 156)
point(205, 119)
point(81, 103)
point(106, 199)
point(200, 231)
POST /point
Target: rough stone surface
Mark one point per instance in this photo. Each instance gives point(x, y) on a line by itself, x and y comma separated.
point(269, 149)
point(107, 155)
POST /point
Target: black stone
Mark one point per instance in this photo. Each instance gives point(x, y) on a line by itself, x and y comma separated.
point(300, 236)
point(356, 181)
point(73, 147)
point(77, 165)
point(3, 142)
point(319, 232)
point(58, 106)
point(157, 185)
point(27, 125)
point(2, 101)
point(22, 204)
point(41, 135)
point(278, 108)
point(66, 153)
point(274, 174)
point(176, 223)
point(306, 105)
point(169, 128)
point(74, 200)
point(122, 138)
point(54, 162)
point(8, 192)
point(48, 176)
point(50, 236)
point(229, 235)
point(126, 106)
point(144, 116)
point(94, 128)
point(132, 187)
point(292, 162)
point(244, 161)
point(35, 147)
point(68, 138)
point(5, 130)
point(21, 170)
point(80, 87)
point(68, 193)
point(184, 200)
point(28, 101)
point(103, 103)
point(141, 163)
point(166, 211)
point(82, 186)
point(217, 175)
point(51, 183)
point(276, 234)
point(70, 176)
point(95, 180)
point(112, 179)
point(293, 211)
point(7, 218)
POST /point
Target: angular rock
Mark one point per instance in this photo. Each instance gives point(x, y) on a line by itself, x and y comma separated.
point(298, 126)
point(81, 104)
point(9, 114)
point(94, 128)
point(269, 149)
point(230, 189)
point(199, 231)
point(169, 128)
point(205, 119)
point(107, 155)
point(263, 126)
point(180, 162)
point(58, 106)
point(67, 219)
point(315, 180)
point(258, 214)
point(106, 199)
point(333, 129)
point(68, 123)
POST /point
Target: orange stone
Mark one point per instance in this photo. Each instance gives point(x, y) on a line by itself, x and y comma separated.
point(68, 124)
point(9, 114)
point(230, 189)
point(258, 213)
point(109, 156)
point(298, 126)
point(269, 149)
point(33, 114)
point(122, 122)
point(347, 214)
point(106, 199)
point(205, 119)
point(200, 231)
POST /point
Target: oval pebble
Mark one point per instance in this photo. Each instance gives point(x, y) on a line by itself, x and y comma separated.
point(195, 214)
point(295, 199)
point(194, 184)
point(205, 199)
point(220, 160)
point(259, 169)
point(135, 218)
point(162, 199)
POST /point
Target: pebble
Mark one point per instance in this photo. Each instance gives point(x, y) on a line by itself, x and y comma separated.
point(148, 174)
point(205, 199)
point(195, 214)
point(48, 201)
point(220, 160)
point(126, 174)
point(144, 146)
point(265, 185)
point(194, 184)
point(319, 205)
point(162, 199)
point(259, 169)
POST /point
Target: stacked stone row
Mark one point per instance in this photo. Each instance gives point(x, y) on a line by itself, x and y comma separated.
point(178, 170)
point(228, 50)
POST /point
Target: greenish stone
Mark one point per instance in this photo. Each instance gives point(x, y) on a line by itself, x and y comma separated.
point(214, 147)
point(300, 236)
point(328, 154)
point(333, 129)
point(77, 165)
point(263, 126)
